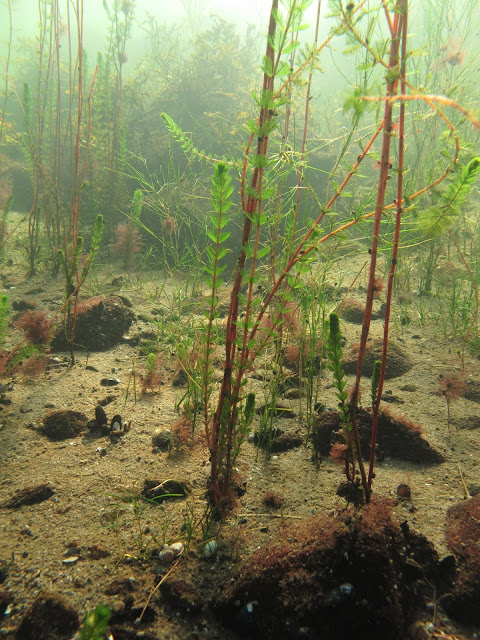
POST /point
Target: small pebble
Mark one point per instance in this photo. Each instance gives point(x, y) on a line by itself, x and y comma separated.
point(109, 382)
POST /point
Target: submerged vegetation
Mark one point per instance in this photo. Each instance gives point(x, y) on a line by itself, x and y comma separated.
point(248, 171)
point(89, 136)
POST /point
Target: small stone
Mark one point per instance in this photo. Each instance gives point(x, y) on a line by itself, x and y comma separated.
point(404, 491)
point(162, 438)
point(70, 560)
point(166, 556)
point(109, 382)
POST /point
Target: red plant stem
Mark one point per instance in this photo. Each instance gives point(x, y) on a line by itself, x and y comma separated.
point(382, 185)
point(396, 241)
point(225, 398)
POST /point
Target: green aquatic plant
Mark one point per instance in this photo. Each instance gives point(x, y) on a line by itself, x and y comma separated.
point(75, 276)
point(95, 624)
point(221, 190)
point(436, 220)
point(262, 173)
point(353, 454)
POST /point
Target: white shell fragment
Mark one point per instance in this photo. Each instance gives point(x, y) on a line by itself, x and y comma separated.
point(210, 549)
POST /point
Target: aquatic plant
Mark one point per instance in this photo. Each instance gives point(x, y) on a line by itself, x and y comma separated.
point(95, 624)
point(3, 225)
point(241, 347)
point(75, 276)
point(451, 386)
point(352, 454)
point(36, 326)
point(127, 236)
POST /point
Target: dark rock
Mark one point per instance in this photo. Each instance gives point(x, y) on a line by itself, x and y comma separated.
point(397, 437)
point(101, 323)
point(109, 382)
point(392, 399)
point(162, 438)
point(398, 361)
point(48, 618)
point(119, 587)
point(101, 419)
point(30, 495)
point(64, 424)
point(23, 305)
point(472, 390)
point(180, 379)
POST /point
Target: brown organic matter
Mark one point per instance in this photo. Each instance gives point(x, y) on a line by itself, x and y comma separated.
point(463, 538)
point(332, 577)
point(29, 495)
point(100, 325)
point(48, 618)
point(398, 361)
point(398, 437)
point(63, 424)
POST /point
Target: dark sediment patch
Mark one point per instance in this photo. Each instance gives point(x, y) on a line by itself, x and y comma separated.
point(64, 424)
point(398, 361)
point(463, 539)
point(398, 437)
point(48, 618)
point(29, 495)
point(100, 325)
point(330, 577)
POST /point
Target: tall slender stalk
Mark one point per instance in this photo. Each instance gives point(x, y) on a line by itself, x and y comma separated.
point(393, 74)
point(396, 240)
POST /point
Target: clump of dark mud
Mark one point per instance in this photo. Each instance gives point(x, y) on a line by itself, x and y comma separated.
point(398, 361)
point(64, 424)
point(398, 437)
point(463, 538)
point(48, 618)
point(361, 573)
point(100, 324)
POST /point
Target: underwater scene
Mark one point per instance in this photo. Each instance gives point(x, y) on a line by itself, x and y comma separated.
point(239, 320)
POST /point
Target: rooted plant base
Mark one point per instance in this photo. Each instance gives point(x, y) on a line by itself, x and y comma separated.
point(330, 577)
